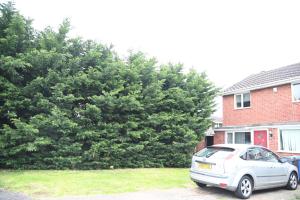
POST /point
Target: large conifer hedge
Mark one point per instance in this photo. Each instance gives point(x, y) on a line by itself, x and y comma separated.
point(74, 103)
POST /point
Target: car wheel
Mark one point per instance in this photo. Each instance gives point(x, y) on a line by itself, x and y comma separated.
point(201, 184)
point(245, 188)
point(293, 181)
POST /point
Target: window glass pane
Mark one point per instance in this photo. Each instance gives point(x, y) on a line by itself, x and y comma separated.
point(247, 138)
point(246, 100)
point(242, 138)
point(216, 152)
point(239, 138)
point(296, 92)
point(268, 156)
point(289, 140)
point(229, 138)
point(238, 100)
point(253, 154)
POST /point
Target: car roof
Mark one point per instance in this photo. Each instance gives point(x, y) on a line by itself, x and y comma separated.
point(236, 146)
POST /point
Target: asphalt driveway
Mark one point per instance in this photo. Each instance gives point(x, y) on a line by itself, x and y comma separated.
point(195, 193)
point(208, 193)
point(6, 195)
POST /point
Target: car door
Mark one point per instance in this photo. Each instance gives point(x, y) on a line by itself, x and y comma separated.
point(259, 167)
point(277, 174)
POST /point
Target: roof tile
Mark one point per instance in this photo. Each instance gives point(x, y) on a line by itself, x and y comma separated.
point(265, 77)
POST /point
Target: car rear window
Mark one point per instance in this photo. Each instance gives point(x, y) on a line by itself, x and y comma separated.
point(216, 152)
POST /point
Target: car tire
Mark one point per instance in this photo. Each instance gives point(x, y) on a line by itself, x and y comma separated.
point(245, 188)
point(293, 181)
point(202, 185)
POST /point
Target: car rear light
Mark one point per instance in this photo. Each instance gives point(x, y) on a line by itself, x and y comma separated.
point(223, 185)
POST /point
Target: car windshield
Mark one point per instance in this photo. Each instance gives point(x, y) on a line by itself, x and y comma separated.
point(216, 152)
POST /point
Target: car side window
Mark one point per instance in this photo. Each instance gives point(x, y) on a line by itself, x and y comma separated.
point(254, 154)
point(269, 156)
point(260, 154)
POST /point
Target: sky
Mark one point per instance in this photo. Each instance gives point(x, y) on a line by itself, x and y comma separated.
point(229, 40)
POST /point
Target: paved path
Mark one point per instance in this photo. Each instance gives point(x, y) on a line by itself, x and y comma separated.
point(208, 193)
point(6, 195)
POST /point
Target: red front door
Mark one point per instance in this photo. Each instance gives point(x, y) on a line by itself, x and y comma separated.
point(260, 138)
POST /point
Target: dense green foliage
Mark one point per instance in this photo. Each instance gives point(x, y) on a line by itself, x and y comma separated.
point(70, 103)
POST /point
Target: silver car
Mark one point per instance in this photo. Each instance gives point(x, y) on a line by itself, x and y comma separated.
point(242, 169)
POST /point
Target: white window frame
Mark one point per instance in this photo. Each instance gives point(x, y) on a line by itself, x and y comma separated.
point(226, 137)
point(279, 142)
point(235, 131)
point(251, 135)
point(292, 91)
point(242, 100)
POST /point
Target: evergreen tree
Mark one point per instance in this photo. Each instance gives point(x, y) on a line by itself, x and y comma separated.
point(71, 103)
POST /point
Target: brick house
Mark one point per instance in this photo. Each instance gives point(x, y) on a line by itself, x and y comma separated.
point(264, 109)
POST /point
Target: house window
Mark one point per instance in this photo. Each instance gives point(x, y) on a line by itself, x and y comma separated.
point(242, 100)
point(289, 140)
point(242, 138)
point(229, 138)
point(296, 91)
point(217, 124)
point(238, 138)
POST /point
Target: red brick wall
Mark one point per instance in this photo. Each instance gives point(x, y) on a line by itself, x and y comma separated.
point(282, 154)
point(273, 141)
point(200, 145)
point(219, 137)
point(266, 107)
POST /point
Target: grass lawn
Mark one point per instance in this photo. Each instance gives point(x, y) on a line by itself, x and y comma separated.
point(69, 182)
point(297, 197)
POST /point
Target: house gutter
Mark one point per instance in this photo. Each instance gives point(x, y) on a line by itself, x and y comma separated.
point(263, 126)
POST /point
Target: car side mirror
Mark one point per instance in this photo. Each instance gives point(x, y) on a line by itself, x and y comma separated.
point(284, 160)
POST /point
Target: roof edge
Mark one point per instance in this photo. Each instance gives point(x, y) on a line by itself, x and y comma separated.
point(261, 86)
point(266, 125)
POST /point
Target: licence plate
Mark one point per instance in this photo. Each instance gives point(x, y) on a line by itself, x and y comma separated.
point(204, 166)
